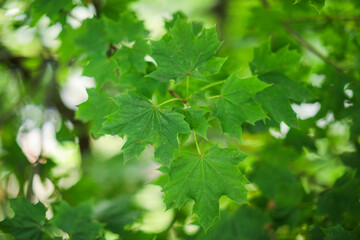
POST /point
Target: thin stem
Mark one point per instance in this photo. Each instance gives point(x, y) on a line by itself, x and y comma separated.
point(213, 84)
point(187, 86)
point(170, 100)
point(324, 18)
point(196, 142)
point(297, 37)
point(214, 96)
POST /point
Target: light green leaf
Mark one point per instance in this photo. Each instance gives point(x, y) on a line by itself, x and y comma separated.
point(95, 109)
point(205, 179)
point(77, 222)
point(183, 54)
point(196, 119)
point(143, 124)
point(236, 105)
point(28, 221)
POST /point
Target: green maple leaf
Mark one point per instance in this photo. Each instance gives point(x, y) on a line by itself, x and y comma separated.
point(142, 84)
point(196, 120)
point(205, 179)
point(92, 37)
point(265, 60)
point(103, 69)
point(143, 124)
point(112, 8)
point(127, 28)
point(55, 10)
point(95, 109)
point(28, 222)
point(276, 102)
point(134, 56)
point(182, 53)
point(77, 222)
point(247, 223)
point(342, 199)
point(236, 104)
point(339, 233)
point(271, 68)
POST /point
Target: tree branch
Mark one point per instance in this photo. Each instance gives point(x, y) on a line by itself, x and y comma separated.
point(297, 37)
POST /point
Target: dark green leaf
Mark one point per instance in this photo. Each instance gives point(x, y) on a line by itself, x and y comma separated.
point(236, 105)
point(185, 54)
point(77, 222)
point(28, 221)
point(143, 124)
point(205, 179)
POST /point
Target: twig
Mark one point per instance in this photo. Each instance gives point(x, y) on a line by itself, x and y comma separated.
point(297, 37)
point(324, 18)
point(175, 94)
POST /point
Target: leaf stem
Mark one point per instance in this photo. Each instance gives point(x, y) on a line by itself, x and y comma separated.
point(212, 84)
point(187, 86)
point(196, 142)
point(216, 96)
point(170, 100)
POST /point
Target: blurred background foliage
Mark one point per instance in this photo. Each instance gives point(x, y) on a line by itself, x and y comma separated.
point(304, 179)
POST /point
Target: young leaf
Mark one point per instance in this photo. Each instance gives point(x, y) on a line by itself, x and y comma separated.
point(28, 221)
point(235, 104)
point(77, 222)
point(95, 109)
point(205, 179)
point(143, 124)
point(185, 54)
point(196, 119)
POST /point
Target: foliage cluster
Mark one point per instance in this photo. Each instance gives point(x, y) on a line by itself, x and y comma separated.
point(216, 117)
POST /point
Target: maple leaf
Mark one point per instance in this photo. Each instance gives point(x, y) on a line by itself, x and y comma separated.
point(95, 109)
point(143, 124)
point(236, 104)
point(103, 69)
point(270, 67)
point(205, 179)
point(55, 10)
point(196, 119)
point(265, 60)
point(127, 28)
point(134, 56)
point(28, 221)
point(77, 222)
point(276, 102)
point(182, 53)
